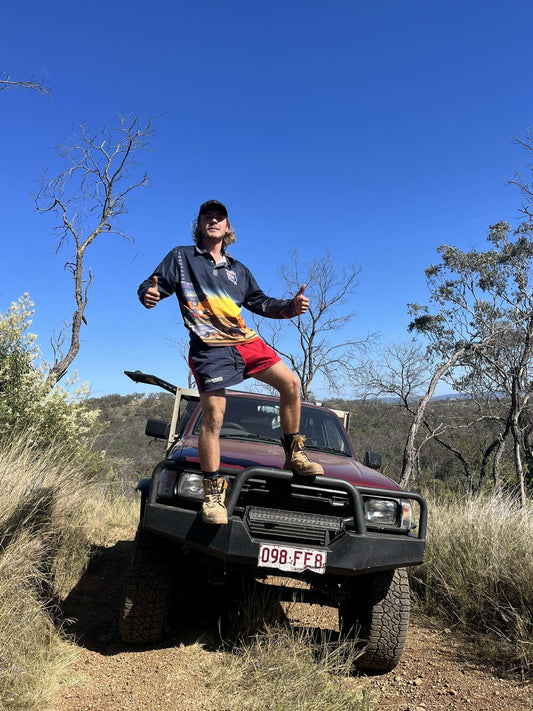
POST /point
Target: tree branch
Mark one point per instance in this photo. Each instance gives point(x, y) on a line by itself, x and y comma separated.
point(87, 198)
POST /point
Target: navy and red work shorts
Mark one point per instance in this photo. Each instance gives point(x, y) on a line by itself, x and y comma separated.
point(218, 367)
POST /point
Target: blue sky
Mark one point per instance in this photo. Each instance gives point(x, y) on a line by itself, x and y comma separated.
point(377, 131)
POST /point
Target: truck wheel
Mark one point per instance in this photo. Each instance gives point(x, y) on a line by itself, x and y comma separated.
point(377, 613)
point(147, 591)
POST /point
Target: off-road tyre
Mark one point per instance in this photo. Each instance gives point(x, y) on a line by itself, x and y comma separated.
point(377, 614)
point(147, 590)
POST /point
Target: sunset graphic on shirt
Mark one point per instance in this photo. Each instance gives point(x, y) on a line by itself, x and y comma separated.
point(216, 318)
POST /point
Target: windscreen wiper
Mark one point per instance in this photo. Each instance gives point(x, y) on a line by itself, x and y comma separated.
point(249, 435)
point(332, 450)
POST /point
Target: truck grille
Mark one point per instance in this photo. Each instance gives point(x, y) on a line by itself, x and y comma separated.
point(287, 496)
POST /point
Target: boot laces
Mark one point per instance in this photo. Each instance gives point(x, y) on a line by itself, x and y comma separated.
point(298, 446)
point(214, 493)
point(298, 443)
point(217, 497)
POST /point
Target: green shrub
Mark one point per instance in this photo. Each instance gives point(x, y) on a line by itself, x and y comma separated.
point(27, 403)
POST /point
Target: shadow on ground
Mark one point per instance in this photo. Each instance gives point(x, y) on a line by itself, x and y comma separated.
point(199, 612)
point(89, 614)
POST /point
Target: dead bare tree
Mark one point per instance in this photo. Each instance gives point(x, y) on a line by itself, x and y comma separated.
point(88, 197)
point(6, 82)
point(403, 372)
point(183, 347)
point(400, 372)
point(321, 347)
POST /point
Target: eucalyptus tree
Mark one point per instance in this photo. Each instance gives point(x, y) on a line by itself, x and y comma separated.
point(481, 327)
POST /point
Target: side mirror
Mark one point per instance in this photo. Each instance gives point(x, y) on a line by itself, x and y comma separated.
point(372, 460)
point(158, 429)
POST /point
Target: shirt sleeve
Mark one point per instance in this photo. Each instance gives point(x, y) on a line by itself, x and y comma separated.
point(167, 274)
point(259, 303)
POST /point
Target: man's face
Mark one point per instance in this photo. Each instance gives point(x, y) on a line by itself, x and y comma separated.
point(213, 224)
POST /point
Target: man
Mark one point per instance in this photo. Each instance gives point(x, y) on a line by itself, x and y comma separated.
point(211, 288)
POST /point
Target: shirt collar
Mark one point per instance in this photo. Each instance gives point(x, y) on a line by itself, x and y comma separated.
point(226, 257)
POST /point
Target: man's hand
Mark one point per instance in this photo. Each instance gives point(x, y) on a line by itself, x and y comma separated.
point(152, 295)
point(301, 302)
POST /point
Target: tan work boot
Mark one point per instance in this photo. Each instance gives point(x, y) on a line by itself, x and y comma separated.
point(213, 508)
point(297, 460)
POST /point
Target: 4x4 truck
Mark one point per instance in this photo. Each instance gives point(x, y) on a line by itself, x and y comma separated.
point(349, 534)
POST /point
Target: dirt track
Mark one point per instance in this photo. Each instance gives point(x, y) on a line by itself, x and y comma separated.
point(439, 670)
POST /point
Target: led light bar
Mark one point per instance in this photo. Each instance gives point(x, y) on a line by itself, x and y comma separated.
point(317, 521)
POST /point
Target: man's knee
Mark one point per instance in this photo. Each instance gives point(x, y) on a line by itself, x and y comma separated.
point(291, 385)
point(212, 413)
point(280, 377)
point(212, 419)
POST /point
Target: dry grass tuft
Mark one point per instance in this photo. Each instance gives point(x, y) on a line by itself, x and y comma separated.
point(282, 668)
point(272, 665)
point(49, 506)
point(32, 654)
point(478, 574)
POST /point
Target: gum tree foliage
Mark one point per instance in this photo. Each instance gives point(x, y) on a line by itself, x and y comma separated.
point(478, 325)
point(483, 317)
point(525, 185)
point(28, 408)
point(87, 198)
point(471, 344)
point(322, 347)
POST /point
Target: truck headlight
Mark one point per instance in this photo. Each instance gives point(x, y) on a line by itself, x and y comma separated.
point(167, 483)
point(388, 512)
point(190, 486)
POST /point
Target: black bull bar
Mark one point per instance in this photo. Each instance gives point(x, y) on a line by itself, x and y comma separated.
point(358, 551)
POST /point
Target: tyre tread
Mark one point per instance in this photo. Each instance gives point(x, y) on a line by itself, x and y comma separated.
point(146, 592)
point(381, 613)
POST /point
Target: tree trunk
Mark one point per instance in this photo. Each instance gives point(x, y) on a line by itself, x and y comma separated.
point(518, 466)
point(409, 452)
point(58, 370)
point(494, 447)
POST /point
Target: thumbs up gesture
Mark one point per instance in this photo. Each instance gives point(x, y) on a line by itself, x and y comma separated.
point(152, 295)
point(301, 302)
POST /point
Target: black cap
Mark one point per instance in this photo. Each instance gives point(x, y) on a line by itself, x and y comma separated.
point(212, 205)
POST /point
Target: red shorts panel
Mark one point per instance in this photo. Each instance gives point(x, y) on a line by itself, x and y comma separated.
point(257, 356)
point(219, 367)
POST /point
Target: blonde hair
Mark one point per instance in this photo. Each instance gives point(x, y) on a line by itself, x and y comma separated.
point(229, 237)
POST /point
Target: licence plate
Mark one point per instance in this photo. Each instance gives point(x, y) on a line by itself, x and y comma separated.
point(294, 560)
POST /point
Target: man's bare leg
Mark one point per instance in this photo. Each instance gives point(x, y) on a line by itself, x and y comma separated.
point(213, 408)
point(287, 384)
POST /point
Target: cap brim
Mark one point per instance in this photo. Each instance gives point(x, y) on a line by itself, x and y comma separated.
point(212, 205)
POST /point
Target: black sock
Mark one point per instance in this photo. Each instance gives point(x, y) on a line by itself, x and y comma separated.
point(287, 440)
point(211, 475)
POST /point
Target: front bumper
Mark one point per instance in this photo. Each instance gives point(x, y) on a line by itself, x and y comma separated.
point(356, 550)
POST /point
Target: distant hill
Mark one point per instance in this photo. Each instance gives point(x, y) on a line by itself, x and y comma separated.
point(122, 423)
